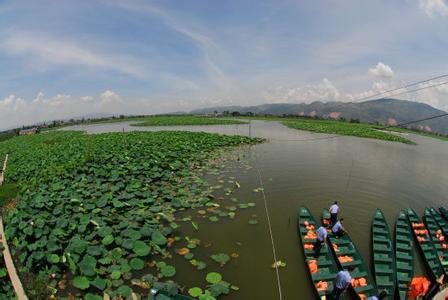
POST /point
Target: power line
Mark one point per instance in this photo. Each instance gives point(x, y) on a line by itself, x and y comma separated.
point(399, 88)
point(416, 121)
point(418, 89)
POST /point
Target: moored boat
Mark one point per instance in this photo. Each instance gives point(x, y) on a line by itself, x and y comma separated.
point(444, 212)
point(383, 254)
point(404, 254)
point(441, 222)
point(438, 239)
point(322, 269)
point(347, 255)
point(425, 244)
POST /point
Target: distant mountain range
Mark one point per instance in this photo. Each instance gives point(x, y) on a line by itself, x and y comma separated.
point(384, 111)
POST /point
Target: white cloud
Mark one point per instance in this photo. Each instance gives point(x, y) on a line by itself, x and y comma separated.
point(434, 7)
point(382, 70)
point(324, 91)
point(16, 111)
point(42, 51)
point(203, 42)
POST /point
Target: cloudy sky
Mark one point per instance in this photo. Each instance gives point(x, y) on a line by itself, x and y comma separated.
point(71, 58)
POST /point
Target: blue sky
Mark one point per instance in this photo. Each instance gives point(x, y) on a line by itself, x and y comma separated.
point(69, 58)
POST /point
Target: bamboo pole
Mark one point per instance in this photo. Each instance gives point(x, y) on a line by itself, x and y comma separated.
point(9, 263)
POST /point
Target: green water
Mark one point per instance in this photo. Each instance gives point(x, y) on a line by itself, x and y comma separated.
point(298, 171)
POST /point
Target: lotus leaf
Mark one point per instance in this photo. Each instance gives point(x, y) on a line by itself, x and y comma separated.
point(168, 271)
point(137, 263)
point(107, 240)
point(87, 265)
point(219, 288)
point(124, 291)
point(213, 277)
point(252, 222)
point(158, 238)
point(140, 248)
point(81, 282)
point(90, 296)
point(54, 258)
point(220, 258)
point(115, 275)
point(195, 292)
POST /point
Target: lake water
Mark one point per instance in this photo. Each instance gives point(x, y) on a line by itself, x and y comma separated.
point(301, 168)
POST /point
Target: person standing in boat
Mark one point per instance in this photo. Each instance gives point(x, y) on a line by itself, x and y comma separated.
point(334, 210)
point(321, 239)
point(341, 283)
point(381, 296)
point(338, 230)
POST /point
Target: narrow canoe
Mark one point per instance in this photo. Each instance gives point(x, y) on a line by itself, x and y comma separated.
point(383, 254)
point(344, 247)
point(425, 245)
point(326, 264)
point(444, 212)
point(441, 222)
point(404, 254)
point(438, 239)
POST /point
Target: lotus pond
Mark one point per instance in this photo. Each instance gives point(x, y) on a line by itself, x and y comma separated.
point(104, 213)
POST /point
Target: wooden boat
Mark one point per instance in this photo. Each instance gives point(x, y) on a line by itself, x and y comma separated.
point(383, 254)
point(444, 212)
point(426, 246)
point(441, 222)
point(343, 248)
point(404, 254)
point(326, 264)
point(438, 239)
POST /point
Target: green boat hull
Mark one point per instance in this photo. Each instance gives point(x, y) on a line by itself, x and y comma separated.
point(347, 248)
point(327, 268)
point(427, 248)
point(383, 255)
point(433, 227)
point(404, 254)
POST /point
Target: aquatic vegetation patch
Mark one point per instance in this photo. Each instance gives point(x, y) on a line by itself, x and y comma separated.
point(94, 211)
point(344, 128)
point(184, 120)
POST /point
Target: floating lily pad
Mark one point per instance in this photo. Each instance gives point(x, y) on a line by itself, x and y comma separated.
point(213, 219)
point(213, 277)
point(220, 258)
point(195, 292)
point(137, 263)
point(81, 282)
point(168, 271)
point(140, 248)
point(252, 222)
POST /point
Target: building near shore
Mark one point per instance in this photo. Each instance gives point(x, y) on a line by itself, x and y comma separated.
point(29, 131)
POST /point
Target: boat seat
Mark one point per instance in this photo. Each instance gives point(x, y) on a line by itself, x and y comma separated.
point(355, 262)
point(360, 289)
point(382, 248)
point(379, 230)
point(404, 266)
point(383, 259)
point(379, 223)
point(356, 273)
point(324, 277)
point(381, 239)
point(403, 255)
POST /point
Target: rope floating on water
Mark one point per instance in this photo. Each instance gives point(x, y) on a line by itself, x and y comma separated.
point(274, 252)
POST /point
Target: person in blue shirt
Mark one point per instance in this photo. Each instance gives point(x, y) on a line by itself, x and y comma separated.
point(381, 296)
point(338, 230)
point(342, 281)
point(321, 239)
